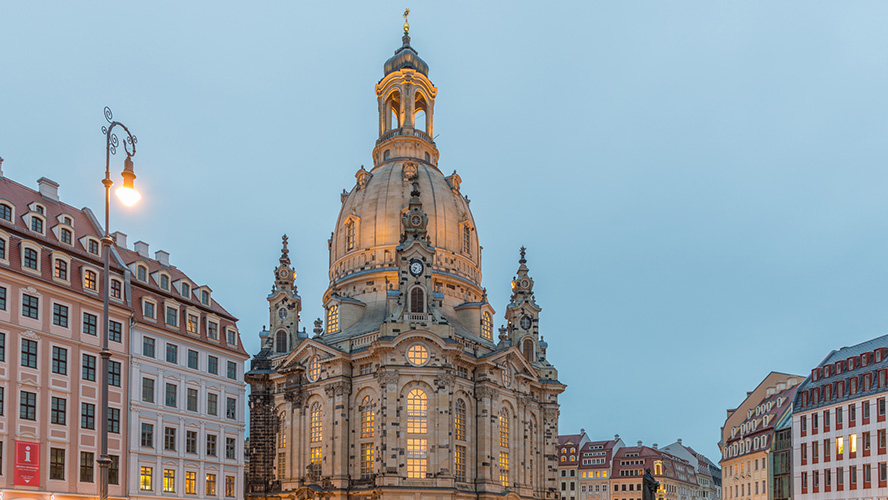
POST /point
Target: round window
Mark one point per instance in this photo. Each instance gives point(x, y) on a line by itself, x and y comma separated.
point(417, 355)
point(314, 369)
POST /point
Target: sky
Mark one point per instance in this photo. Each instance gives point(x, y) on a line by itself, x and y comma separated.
point(700, 185)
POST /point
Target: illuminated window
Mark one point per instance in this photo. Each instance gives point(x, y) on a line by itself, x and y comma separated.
point(459, 420)
point(367, 417)
point(92, 247)
point(333, 318)
point(840, 445)
point(229, 486)
point(507, 381)
point(504, 468)
point(191, 483)
point(282, 465)
point(417, 412)
point(315, 455)
point(366, 460)
point(486, 326)
point(116, 289)
point(316, 429)
point(89, 280)
point(211, 485)
point(417, 462)
point(169, 480)
point(282, 434)
point(658, 468)
point(417, 355)
point(314, 368)
point(459, 463)
point(145, 474)
point(852, 443)
point(192, 323)
point(61, 269)
point(350, 235)
point(504, 428)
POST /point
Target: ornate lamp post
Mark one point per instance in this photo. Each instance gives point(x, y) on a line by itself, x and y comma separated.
point(129, 196)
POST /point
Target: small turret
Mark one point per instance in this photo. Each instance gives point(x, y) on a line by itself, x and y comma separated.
point(284, 305)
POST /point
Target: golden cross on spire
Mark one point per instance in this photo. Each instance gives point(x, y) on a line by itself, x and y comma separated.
point(406, 24)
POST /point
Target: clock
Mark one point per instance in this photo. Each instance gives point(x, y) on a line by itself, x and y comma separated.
point(416, 267)
point(526, 322)
point(416, 220)
point(283, 273)
point(525, 283)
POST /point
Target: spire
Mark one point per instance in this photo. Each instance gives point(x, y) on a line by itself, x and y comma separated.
point(285, 257)
point(284, 274)
point(522, 283)
point(414, 221)
point(406, 27)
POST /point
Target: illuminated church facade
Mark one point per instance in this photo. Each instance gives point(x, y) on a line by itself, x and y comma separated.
point(403, 391)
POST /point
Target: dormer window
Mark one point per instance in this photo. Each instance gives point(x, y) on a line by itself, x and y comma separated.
point(186, 290)
point(89, 280)
point(116, 289)
point(231, 336)
point(39, 209)
point(212, 330)
point(61, 269)
point(67, 220)
point(92, 246)
point(332, 318)
point(205, 297)
point(164, 281)
point(36, 224)
point(30, 258)
point(65, 235)
point(6, 212)
point(142, 273)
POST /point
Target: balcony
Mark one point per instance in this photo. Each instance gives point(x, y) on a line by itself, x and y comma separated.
point(407, 132)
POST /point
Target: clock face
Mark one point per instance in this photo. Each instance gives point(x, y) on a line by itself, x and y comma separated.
point(525, 283)
point(282, 273)
point(282, 313)
point(526, 322)
point(415, 268)
point(416, 220)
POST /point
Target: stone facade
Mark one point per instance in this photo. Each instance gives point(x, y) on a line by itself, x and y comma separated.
point(403, 392)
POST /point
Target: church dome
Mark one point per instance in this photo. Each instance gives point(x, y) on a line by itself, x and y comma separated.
point(406, 57)
point(369, 229)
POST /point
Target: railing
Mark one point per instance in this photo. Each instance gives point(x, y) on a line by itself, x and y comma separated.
point(417, 317)
point(364, 340)
point(405, 132)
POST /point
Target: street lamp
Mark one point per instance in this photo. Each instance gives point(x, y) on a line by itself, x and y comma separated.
point(129, 196)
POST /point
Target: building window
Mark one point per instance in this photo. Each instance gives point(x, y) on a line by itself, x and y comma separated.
point(280, 341)
point(205, 297)
point(229, 486)
point(211, 485)
point(212, 330)
point(504, 428)
point(417, 355)
point(213, 365)
point(92, 247)
point(89, 368)
point(2, 297)
point(57, 464)
point(89, 280)
point(30, 306)
point(230, 446)
point(186, 290)
point(60, 315)
point(28, 406)
point(169, 438)
point(172, 353)
point(67, 236)
point(58, 411)
point(417, 426)
point(5, 212)
point(504, 469)
point(148, 347)
point(211, 445)
point(191, 400)
point(29, 353)
point(114, 373)
point(314, 369)
point(282, 464)
point(114, 470)
point(459, 462)
point(367, 417)
point(87, 416)
point(486, 326)
point(172, 316)
point(59, 360)
point(467, 239)
point(169, 480)
point(350, 235)
point(2, 410)
point(90, 322)
point(164, 281)
point(30, 260)
point(87, 460)
point(190, 482)
point(2, 249)
point(192, 359)
point(115, 331)
point(332, 318)
point(417, 300)
point(145, 476)
point(232, 370)
point(231, 408)
point(147, 435)
point(170, 395)
point(192, 323)
point(459, 420)
point(114, 420)
point(142, 273)
point(316, 426)
point(231, 336)
point(116, 291)
point(61, 269)
point(190, 441)
point(213, 404)
point(367, 459)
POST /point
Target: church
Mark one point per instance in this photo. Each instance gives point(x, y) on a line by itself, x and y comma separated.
point(403, 390)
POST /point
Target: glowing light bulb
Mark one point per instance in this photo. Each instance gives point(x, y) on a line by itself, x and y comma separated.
point(128, 196)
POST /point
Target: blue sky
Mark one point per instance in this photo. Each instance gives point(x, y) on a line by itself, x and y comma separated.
point(700, 185)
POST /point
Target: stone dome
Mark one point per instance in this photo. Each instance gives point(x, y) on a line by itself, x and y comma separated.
point(406, 57)
point(370, 222)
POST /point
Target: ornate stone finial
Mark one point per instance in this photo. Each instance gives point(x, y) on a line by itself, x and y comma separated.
point(484, 295)
point(284, 249)
point(318, 329)
point(415, 192)
point(406, 23)
point(503, 334)
point(522, 260)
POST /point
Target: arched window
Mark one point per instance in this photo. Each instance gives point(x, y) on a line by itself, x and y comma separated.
point(317, 433)
point(417, 427)
point(459, 420)
point(527, 349)
point(6, 212)
point(89, 280)
point(486, 326)
point(280, 341)
point(61, 269)
point(504, 447)
point(367, 417)
point(392, 111)
point(142, 273)
point(314, 369)
point(30, 259)
point(417, 300)
point(420, 119)
point(282, 431)
point(332, 318)
point(467, 239)
point(350, 235)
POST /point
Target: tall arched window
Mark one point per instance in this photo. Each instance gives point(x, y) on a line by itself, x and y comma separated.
point(420, 120)
point(392, 111)
point(280, 341)
point(367, 417)
point(332, 318)
point(417, 300)
point(417, 427)
point(350, 235)
point(459, 420)
point(527, 349)
point(504, 447)
point(282, 447)
point(467, 239)
point(486, 326)
point(317, 433)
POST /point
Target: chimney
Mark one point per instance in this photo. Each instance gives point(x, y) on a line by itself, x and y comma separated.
point(616, 437)
point(119, 238)
point(1, 167)
point(655, 446)
point(162, 257)
point(141, 248)
point(679, 441)
point(639, 443)
point(48, 188)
